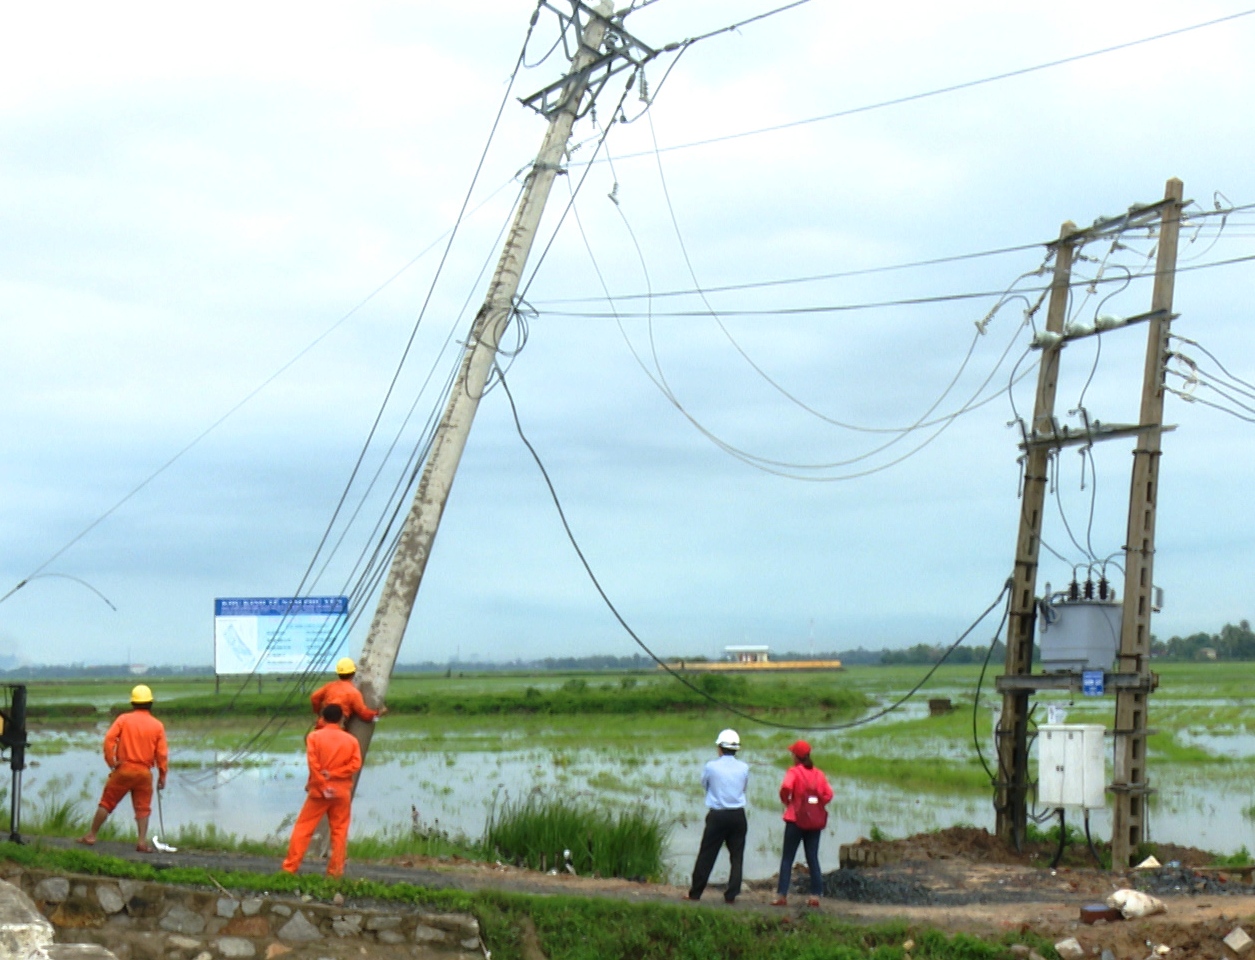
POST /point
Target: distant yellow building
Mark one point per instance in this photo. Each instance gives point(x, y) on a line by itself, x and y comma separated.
point(749, 658)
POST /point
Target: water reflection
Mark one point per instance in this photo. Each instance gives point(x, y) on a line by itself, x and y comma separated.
point(455, 790)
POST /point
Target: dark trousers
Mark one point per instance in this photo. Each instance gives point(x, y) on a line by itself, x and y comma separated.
point(722, 827)
point(809, 839)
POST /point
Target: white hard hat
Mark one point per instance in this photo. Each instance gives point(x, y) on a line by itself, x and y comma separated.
point(728, 739)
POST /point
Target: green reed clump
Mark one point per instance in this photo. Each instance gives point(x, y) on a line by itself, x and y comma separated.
point(544, 833)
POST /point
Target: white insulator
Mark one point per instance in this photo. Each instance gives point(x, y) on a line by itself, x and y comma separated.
point(1077, 330)
point(1108, 322)
point(1047, 338)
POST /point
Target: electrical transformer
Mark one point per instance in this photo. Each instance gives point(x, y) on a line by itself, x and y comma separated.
point(1080, 629)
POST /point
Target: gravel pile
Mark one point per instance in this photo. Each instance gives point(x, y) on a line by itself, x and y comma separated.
point(861, 888)
point(1180, 881)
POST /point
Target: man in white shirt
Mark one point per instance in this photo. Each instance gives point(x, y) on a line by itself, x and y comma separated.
point(724, 780)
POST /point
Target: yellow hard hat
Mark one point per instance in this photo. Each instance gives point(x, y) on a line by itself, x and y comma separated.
point(345, 666)
point(141, 694)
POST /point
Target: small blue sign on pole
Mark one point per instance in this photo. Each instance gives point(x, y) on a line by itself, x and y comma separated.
point(1092, 683)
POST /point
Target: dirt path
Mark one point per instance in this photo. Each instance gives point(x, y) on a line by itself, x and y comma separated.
point(946, 891)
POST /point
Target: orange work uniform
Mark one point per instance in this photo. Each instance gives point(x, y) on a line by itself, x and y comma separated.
point(334, 757)
point(345, 696)
point(135, 743)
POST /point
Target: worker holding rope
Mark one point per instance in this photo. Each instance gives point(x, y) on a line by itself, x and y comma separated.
point(344, 694)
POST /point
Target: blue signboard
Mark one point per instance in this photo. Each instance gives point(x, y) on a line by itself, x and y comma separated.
point(1092, 683)
point(277, 634)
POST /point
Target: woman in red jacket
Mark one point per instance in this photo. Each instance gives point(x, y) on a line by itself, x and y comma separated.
point(805, 794)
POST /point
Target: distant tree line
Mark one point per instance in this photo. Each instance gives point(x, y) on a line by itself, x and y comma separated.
point(105, 671)
point(1231, 643)
point(925, 653)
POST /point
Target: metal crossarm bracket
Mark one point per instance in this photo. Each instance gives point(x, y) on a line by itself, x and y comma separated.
point(1062, 436)
point(1072, 681)
point(1140, 215)
point(622, 51)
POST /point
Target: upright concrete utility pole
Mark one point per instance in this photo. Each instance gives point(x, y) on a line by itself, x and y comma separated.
point(1129, 782)
point(1012, 780)
point(1132, 680)
point(379, 654)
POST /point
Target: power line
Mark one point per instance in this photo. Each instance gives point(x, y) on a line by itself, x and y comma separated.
point(952, 88)
point(875, 304)
point(739, 24)
point(812, 278)
point(452, 235)
point(677, 675)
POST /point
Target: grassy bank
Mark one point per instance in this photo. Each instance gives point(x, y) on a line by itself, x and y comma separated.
point(577, 928)
point(536, 832)
point(826, 695)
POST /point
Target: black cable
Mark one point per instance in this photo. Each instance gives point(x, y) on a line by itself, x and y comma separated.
point(1190, 398)
point(240, 404)
point(779, 388)
point(980, 682)
point(878, 304)
point(674, 674)
point(1215, 360)
point(815, 278)
point(742, 23)
point(1088, 452)
point(417, 323)
point(952, 88)
point(1063, 515)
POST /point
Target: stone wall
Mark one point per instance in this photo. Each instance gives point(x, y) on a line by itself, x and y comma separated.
point(152, 921)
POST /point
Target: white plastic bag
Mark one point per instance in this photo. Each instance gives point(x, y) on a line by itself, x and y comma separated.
point(1134, 904)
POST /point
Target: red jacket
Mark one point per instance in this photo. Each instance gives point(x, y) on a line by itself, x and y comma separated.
point(345, 696)
point(798, 782)
point(334, 756)
point(137, 739)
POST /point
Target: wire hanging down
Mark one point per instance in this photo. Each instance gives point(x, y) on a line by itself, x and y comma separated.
point(677, 675)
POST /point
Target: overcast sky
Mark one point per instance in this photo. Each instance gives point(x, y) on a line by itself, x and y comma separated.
point(193, 196)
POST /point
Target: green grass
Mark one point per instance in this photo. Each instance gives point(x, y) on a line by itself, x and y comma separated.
point(207, 836)
point(574, 928)
point(1242, 858)
point(400, 841)
point(482, 695)
point(541, 833)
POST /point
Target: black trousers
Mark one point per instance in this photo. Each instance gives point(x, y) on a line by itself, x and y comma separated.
point(722, 827)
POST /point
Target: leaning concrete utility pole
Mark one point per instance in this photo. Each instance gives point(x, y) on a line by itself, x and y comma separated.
point(383, 643)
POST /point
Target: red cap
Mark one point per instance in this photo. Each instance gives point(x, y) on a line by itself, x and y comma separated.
point(800, 749)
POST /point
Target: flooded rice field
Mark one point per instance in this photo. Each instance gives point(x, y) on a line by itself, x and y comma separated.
point(451, 781)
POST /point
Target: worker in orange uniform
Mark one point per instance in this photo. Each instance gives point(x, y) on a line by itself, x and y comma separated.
point(343, 693)
point(334, 757)
point(135, 743)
